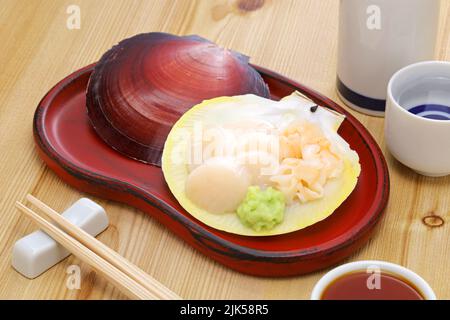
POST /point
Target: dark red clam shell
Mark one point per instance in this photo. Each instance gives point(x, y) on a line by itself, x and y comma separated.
point(142, 86)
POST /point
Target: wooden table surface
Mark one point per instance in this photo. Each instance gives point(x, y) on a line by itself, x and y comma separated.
point(297, 38)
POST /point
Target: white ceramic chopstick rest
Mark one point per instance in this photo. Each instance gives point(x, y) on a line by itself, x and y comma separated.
point(37, 252)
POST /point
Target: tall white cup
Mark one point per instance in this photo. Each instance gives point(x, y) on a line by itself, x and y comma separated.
point(377, 38)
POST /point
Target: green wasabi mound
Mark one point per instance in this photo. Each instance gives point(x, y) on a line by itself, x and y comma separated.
point(262, 209)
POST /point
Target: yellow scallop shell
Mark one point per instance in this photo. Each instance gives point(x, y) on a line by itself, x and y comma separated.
point(297, 216)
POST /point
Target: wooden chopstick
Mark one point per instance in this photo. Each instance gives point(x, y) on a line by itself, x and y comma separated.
point(127, 285)
point(111, 256)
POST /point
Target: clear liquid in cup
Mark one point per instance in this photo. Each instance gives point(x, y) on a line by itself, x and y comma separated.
point(428, 98)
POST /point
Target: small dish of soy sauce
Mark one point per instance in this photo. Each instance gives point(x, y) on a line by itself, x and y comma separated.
point(372, 280)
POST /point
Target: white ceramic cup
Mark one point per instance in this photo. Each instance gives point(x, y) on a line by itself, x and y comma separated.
point(377, 38)
point(420, 143)
point(388, 267)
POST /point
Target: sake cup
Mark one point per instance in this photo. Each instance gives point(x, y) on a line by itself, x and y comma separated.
point(417, 124)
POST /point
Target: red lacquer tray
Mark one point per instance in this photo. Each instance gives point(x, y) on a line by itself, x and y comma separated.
point(72, 149)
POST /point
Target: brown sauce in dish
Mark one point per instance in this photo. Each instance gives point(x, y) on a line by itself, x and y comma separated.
point(353, 286)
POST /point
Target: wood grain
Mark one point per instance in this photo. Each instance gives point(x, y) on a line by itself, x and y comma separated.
point(297, 38)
